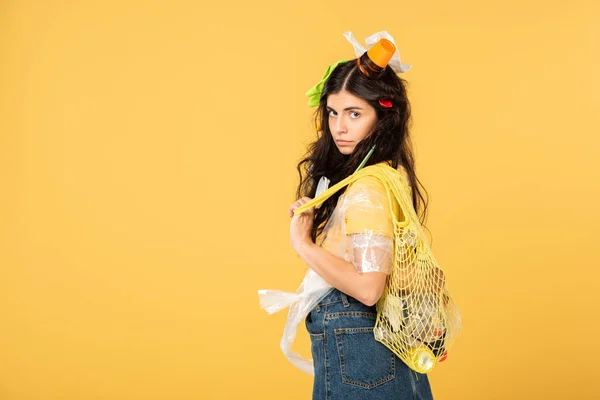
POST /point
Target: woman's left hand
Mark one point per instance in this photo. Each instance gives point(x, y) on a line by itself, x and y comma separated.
point(301, 225)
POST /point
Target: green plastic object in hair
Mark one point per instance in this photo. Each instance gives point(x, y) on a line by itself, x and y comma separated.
point(314, 93)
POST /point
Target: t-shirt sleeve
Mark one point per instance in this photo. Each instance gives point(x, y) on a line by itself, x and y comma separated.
point(369, 226)
point(367, 208)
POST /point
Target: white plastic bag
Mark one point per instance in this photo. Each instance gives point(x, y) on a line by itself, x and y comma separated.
point(311, 291)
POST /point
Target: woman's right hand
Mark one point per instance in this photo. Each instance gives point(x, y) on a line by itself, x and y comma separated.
point(295, 205)
point(301, 224)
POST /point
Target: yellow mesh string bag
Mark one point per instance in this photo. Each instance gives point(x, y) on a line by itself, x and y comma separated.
point(417, 318)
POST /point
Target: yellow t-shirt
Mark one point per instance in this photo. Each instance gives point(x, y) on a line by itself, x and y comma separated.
point(367, 208)
point(360, 229)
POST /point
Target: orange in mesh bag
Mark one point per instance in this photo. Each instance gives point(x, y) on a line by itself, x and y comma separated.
point(416, 316)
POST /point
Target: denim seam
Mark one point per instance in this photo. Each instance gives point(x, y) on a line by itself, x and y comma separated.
point(353, 330)
point(366, 314)
point(325, 355)
point(413, 386)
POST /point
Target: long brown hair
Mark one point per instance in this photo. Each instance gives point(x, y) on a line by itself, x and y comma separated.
point(391, 137)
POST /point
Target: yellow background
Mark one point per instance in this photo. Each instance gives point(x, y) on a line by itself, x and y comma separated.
point(148, 155)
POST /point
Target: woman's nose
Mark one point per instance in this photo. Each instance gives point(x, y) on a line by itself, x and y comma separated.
point(340, 125)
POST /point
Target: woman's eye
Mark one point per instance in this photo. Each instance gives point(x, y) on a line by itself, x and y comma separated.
point(331, 113)
point(356, 114)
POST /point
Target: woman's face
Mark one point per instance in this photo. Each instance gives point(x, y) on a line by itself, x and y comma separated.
point(351, 119)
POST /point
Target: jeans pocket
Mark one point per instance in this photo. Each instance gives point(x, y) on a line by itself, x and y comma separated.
point(313, 328)
point(364, 362)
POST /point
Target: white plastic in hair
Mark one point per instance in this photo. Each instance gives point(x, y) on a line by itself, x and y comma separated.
point(395, 63)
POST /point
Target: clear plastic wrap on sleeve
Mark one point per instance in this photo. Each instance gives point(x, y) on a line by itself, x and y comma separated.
point(369, 229)
point(371, 253)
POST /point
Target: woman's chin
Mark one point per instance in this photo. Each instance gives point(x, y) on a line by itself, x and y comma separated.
point(345, 150)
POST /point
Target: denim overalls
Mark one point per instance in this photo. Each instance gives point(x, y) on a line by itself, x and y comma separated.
point(349, 363)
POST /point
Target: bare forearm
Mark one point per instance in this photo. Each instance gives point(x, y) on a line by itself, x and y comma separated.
point(340, 274)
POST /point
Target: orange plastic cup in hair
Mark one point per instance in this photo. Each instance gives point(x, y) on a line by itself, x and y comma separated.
point(382, 52)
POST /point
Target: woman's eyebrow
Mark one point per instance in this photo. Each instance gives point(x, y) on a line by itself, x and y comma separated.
point(346, 109)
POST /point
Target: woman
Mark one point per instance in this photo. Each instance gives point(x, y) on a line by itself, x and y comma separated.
point(348, 240)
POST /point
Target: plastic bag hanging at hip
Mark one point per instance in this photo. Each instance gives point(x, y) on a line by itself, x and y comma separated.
point(311, 291)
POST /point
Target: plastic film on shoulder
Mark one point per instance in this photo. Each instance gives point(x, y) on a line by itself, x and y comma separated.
point(371, 253)
point(366, 208)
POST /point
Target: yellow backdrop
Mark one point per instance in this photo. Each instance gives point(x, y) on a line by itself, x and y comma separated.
point(148, 155)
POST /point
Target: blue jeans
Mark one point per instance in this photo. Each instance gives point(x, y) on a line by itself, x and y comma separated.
point(349, 363)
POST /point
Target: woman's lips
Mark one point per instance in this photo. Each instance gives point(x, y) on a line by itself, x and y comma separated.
point(343, 142)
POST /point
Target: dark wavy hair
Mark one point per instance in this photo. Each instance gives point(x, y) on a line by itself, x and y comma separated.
point(391, 137)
